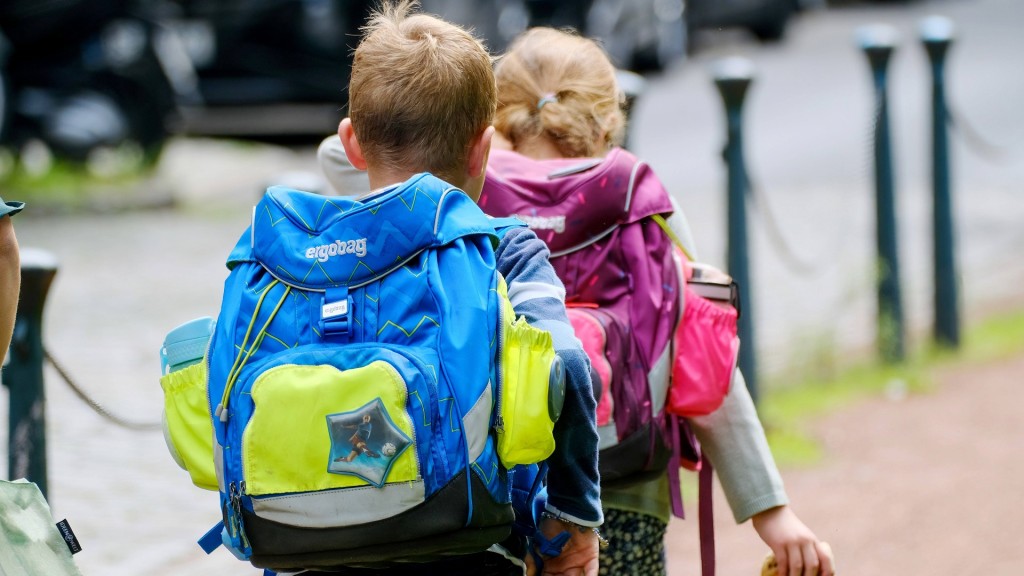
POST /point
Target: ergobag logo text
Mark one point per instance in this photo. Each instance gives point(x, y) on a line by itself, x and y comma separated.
point(323, 252)
point(556, 223)
point(344, 403)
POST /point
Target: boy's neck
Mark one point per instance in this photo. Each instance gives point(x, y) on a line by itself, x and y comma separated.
point(384, 177)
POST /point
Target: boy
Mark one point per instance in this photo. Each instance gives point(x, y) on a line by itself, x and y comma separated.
point(421, 99)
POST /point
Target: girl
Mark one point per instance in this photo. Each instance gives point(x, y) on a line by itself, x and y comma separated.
point(558, 101)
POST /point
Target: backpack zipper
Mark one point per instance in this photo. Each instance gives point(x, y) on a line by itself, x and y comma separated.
point(499, 421)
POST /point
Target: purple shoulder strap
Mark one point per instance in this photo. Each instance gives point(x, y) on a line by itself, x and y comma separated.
point(705, 513)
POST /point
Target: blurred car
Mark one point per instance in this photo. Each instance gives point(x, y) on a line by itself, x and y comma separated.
point(81, 76)
point(641, 35)
point(265, 69)
point(765, 19)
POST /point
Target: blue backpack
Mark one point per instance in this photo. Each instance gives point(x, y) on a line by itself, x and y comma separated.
point(367, 387)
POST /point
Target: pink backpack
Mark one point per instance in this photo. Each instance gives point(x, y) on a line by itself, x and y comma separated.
point(602, 221)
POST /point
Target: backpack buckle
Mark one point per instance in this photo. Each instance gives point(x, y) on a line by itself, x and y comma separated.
point(335, 313)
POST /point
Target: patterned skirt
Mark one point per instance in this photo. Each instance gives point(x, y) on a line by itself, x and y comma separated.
point(636, 544)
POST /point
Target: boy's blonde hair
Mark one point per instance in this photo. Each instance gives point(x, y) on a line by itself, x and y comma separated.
point(561, 86)
point(420, 90)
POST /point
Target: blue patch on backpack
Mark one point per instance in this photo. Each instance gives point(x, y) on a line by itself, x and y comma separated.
point(365, 442)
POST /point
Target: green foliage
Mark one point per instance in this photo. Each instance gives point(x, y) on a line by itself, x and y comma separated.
point(111, 181)
point(1000, 337)
point(37, 177)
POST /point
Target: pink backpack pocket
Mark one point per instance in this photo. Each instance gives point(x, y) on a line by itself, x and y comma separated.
point(707, 349)
point(594, 337)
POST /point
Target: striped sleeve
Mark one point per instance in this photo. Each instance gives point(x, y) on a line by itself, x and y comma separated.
point(536, 293)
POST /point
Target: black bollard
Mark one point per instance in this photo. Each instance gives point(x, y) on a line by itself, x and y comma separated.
point(23, 374)
point(937, 35)
point(732, 77)
point(878, 42)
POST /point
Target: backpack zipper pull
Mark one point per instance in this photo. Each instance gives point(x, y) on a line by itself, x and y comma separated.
point(237, 528)
point(232, 516)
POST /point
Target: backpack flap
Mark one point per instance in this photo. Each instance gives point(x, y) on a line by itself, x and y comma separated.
point(316, 242)
point(571, 203)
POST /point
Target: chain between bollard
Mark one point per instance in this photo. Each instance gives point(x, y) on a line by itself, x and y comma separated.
point(978, 143)
point(784, 248)
point(92, 403)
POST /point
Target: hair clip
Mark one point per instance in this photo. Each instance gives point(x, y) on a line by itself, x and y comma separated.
point(547, 98)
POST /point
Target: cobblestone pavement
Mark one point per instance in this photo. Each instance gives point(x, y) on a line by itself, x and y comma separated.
point(125, 280)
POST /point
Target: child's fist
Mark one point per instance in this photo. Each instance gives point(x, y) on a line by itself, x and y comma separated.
point(771, 568)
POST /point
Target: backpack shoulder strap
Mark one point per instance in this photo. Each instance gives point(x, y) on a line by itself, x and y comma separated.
point(663, 224)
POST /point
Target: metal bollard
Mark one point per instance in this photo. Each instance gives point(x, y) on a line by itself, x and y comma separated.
point(23, 374)
point(632, 86)
point(937, 35)
point(732, 77)
point(878, 42)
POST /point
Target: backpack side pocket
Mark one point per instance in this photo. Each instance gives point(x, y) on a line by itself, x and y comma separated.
point(707, 350)
point(188, 424)
point(531, 390)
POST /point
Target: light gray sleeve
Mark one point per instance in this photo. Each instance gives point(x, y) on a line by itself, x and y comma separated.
point(345, 179)
point(680, 226)
point(734, 440)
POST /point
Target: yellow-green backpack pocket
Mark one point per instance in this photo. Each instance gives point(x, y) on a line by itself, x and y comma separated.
point(188, 427)
point(531, 390)
point(302, 436)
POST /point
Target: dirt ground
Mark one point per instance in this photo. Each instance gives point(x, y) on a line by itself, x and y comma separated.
point(927, 485)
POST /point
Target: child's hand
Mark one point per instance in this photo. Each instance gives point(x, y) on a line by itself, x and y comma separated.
point(579, 555)
point(797, 550)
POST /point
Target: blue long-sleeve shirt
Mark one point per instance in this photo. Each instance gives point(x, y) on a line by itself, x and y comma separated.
point(536, 293)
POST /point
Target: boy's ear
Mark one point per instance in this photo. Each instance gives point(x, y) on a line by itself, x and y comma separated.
point(478, 153)
point(348, 141)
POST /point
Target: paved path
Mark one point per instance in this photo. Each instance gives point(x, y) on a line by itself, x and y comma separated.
point(125, 280)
